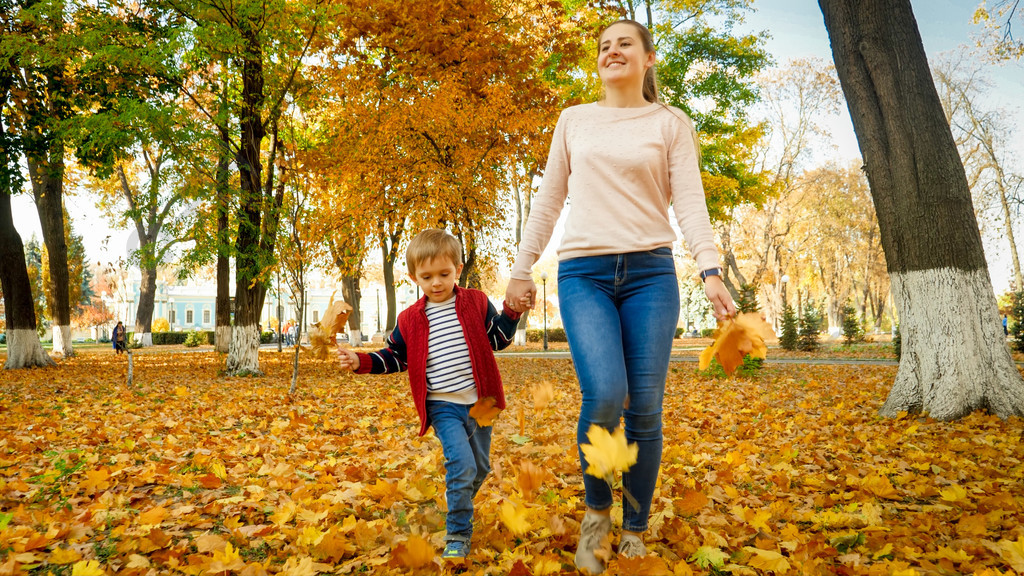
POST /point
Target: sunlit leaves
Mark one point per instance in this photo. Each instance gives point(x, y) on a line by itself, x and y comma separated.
point(484, 411)
point(736, 338)
point(608, 452)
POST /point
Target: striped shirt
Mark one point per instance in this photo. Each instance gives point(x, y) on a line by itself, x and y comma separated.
point(449, 369)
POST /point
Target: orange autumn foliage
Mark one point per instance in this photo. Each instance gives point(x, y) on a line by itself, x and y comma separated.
point(734, 339)
point(786, 472)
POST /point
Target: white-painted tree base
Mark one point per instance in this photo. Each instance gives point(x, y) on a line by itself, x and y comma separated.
point(954, 358)
point(62, 341)
point(355, 337)
point(25, 351)
point(243, 353)
point(520, 338)
point(222, 339)
point(144, 338)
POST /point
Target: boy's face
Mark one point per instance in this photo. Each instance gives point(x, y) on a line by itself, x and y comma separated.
point(437, 278)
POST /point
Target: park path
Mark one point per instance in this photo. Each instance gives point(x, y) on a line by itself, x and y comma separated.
point(677, 357)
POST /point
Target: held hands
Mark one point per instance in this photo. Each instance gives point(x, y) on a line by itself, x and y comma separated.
point(519, 294)
point(347, 358)
point(721, 301)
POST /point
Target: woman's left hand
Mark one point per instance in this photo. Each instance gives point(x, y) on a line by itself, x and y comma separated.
point(721, 301)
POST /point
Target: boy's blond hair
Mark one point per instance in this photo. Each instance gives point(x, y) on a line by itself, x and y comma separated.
point(432, 243)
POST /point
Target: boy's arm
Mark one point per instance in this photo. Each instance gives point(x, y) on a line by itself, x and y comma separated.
point(501, 327)
point(386, 360)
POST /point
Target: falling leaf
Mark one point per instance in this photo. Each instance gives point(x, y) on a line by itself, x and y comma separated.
point(736, 338)
point(543, 394)
point(413, 553)
point(485, 411)
point(767, 560)
point(608, 452)
point(514, 517)
point(323, 334)
point(529, 478)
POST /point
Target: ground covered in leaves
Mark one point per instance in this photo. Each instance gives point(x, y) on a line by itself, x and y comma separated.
point(789, 471)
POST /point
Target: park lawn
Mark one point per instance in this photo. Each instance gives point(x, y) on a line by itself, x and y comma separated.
point(788, 471)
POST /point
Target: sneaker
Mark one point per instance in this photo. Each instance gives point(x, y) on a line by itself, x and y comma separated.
point(631, 546)
point(455, 550)
point(593, 531)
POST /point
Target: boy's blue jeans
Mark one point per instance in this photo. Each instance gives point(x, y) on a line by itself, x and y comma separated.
point(467, 461)
point(620, 313)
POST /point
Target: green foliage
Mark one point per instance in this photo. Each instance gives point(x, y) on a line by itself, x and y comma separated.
point(809, 328)
point(1016, 321)
point(853, 331)
point(790, 336)
point(195, 338)
point(750, 368)
point(748, 299)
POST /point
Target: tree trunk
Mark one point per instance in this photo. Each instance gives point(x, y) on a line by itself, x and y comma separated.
point(954, 356)
point(147, 296)
point(243, 353)
point(351, 294)
point(389, 250)
point(47, 175)
point(222, 307)
point(23, 347)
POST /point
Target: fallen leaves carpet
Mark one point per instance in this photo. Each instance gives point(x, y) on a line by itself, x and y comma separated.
point(786, 472)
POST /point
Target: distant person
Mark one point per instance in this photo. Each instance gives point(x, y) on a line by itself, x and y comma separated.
point(623, 163)
point(119, 339)
point(1006, 326)
point(446, 341)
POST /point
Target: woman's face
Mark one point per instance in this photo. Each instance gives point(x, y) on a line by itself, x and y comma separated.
point(621, 57)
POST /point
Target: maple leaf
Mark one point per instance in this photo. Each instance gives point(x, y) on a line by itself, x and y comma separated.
point(691, 502)
point(137, 561)
point(87, 568)
point(514, 517)
point(304, 567)
point(734, 339)
point(96, 480)
point(708, 556)
point(225, 560)
point(608, 452)
point(954, 493)
point(413, 553)
point(543, 394)
point(322, 335)
point(153, 516)
point(1013, 553)
point(643, 566)
point(485, 411)
point(530, 478)
point(767, 560)
point(64, 556)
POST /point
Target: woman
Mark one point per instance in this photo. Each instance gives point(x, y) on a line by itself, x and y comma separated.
point(621, 161)
point(118, 338)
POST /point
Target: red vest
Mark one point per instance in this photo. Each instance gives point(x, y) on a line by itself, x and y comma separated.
point(471, 309)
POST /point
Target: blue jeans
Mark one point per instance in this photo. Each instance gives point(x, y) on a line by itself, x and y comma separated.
point(467, 462)
point(620, 313)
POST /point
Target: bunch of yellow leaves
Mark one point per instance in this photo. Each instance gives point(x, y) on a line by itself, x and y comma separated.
point(736, 338)
point(322, 334)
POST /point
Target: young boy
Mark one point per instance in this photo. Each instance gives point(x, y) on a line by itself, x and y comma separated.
point(446, 341)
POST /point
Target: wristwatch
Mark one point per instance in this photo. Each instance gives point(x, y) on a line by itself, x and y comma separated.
point(710, 272)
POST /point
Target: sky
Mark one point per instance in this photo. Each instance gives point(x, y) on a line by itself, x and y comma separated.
point(797, 31)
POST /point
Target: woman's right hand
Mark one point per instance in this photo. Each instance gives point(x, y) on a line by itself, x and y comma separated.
point(519, 294)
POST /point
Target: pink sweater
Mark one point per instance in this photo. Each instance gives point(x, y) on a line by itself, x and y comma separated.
point(620, 168)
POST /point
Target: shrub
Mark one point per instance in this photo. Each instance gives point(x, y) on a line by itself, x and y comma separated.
point(852, 329)
point(265, 338)
point(707, 333)
point(554, 335)
point(790, 337)
point(160, 325)
point(194, 339)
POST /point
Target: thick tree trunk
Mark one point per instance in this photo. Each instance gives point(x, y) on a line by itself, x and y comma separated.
point(23, 347)
point(144, 313)
point(47, 175)
point(954, 358)
point(351, 294)
point(222, 306)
